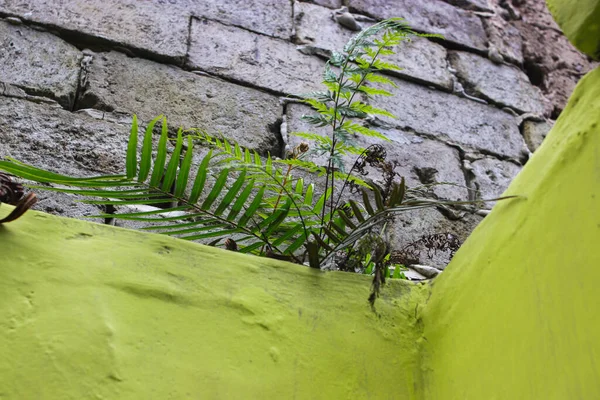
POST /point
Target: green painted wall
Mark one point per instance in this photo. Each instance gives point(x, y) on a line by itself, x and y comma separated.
point(92, 311)
point(516, 314)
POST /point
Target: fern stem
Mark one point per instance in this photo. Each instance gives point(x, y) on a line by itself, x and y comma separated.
point(285, 179)
point(346, 181)
point(291, 197)
point(333, 203)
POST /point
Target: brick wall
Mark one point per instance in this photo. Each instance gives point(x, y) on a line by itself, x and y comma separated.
point(72, 74)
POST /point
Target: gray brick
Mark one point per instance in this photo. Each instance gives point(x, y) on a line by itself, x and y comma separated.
point(258, 60)
point(477, 5)
point(493, 176)
point(65, 142)
point(152, 26)
point(327, 3)
point(505, 38)
point(51, 138)
point(39, 63)
point(132, 85)
point(500, 83)
point(535, 132)
point(410, 226)
point(269, 17)
point(420, 160)
point(420, 58)
point(433, 16)
point(450, 118)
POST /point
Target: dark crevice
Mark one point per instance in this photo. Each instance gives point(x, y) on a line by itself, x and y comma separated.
point(465, 5)
point(188, 42)
point(293, 10)
point(78, 90)
point(556, 111)
point(46, 94)
point(81, 82)
point(109, 209)
point(418, 81)
point(275, 129)
point(90, 100)
point(202, 17)
point(469, 176)
point(237, 82)
point(535, 72)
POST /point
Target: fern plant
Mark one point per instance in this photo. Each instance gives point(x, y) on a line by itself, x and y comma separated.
point(237, 199)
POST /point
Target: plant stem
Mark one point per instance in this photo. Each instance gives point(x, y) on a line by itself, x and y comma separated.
point(342, 119)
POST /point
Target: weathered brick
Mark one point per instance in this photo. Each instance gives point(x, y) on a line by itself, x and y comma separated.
point(133, 85)
point(493, 176)
point(433, 16)
point(457, 120)
point(420, 160)
point(269, 17)
point(500, 83)
point(412, 225)
point(39, 63)
point(535, 132)
point(505, 38)
point(477, 5)
point(155, 27)
point(327, 3)
point(51, 138)
point(258, 60)
point(420, 59)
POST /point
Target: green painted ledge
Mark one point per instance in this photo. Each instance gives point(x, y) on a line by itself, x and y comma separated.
point(91, 311)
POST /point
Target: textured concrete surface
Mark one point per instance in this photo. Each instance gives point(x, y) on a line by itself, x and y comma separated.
point(95, 310)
